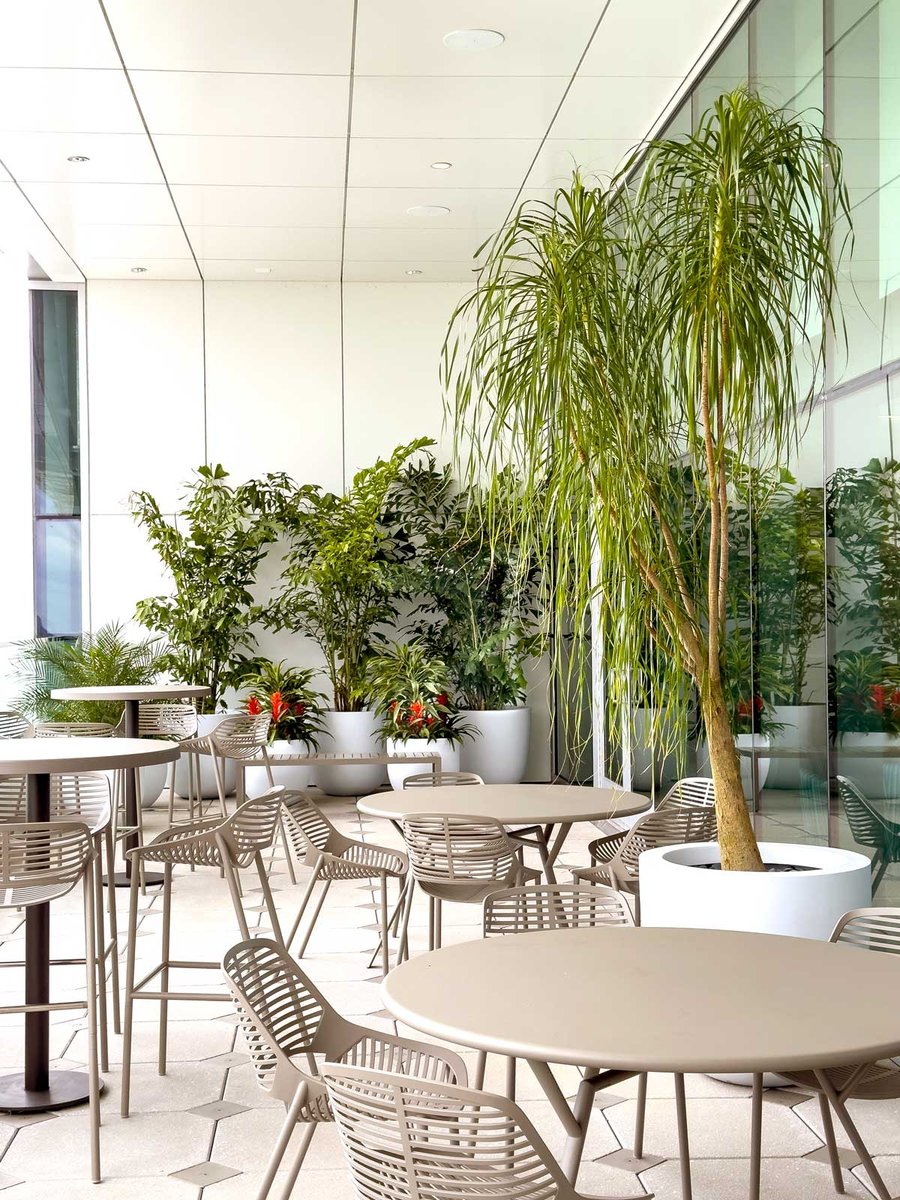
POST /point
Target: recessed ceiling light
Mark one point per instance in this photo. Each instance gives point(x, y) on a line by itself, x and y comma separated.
point(414, 271)
point(473, 39)
point(138, 270)
point(78, 158)
point(441, 166)
point(428, 210)
point(263, 270)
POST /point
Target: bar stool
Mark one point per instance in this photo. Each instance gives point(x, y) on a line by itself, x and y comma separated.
point(174, 723)
point(237, 739)
point(13, 725)
point(229, 845)
point(443, 779)
point(41, 862)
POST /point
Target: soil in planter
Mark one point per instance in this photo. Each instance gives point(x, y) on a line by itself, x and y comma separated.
point(775, 868)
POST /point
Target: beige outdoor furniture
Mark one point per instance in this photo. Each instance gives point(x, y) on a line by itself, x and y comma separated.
point(229, 846)
point(287, 1022)
point(41, 862)
point(176, 723)
point(868, 929)
point(552, 808)
point(444, 779)
point(673, 1000)
point(332, 855)
point(693, 792)
point(870, 828)
point(405, 1138)
point(13, 725)
point(669, 826)
point(239, 739)
point(460, 859)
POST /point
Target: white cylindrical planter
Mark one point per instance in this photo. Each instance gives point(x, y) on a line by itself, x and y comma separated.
point(867, 772)
point(206, 723)
point(295, 777)
point(350, 733)
point(802, 727)
point(497, 745)
point(397, 772)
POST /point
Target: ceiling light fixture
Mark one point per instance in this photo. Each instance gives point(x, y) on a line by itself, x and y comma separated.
point(78, 158)
point(441, 166)
point(413, 271)
point(138, 270)
point(473, 39)
point(428, 210)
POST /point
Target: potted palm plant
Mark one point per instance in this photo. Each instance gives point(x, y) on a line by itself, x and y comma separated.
point(619, 332)
point(295, 707)
point(410, 690)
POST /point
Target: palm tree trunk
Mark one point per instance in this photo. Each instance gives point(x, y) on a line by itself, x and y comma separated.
point(736, 838)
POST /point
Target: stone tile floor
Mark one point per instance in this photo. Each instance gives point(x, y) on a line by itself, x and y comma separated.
point(206, 1130)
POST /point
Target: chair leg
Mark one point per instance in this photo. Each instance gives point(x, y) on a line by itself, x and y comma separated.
point(880, 873)
point(96, 870)
point(431, 903)
point(480, 1064)
point(113, 933)
point(287, 849)
point(837, 1174)
point(284, 1136)
point(403, 948)
point(385, 955)
point(129, 991)
point(90, 954)
point(269, 901)
point(684, 1149)
point(853, 1134)
point(230, 874)
point(164, 974)
point(756, 1136)
point(640, 1117)
point(298, 1160)
point(438, 922)
point(510, 1079)
point(314, 918)
point(307, 895)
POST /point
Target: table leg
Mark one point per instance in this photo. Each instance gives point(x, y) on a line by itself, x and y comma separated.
point(123, 878)
point(684, 1149)
point(556, 846)
point(38, 1088)
point(853, 1134)
point(756, 1136)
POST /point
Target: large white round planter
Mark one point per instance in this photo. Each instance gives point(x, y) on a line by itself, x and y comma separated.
point(153, 780)
point(868, 773)
point(497, 745)
point(678, 892)
point(397, 772)
point(206, 723)
point(295, 777)
point(803, 727)
point(350, 733)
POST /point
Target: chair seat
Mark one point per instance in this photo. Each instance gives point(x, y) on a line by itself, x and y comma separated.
point(879, 1081)
point(603, 848)
point(475, 891)
point(600, 874)
point(363, 862)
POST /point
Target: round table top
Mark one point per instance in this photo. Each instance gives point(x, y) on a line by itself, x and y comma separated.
point(152, 691)
point(56, 755)
point(653, 999)
point(509, 803)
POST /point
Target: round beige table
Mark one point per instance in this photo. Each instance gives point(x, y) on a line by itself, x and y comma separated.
point(132, 698)
point(39, 1088)
point(670, 1000)
point(541, 806)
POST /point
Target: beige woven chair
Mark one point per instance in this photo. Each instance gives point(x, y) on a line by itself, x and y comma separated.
point(404, 1138)
point(287, 1022)
point(693, 792)
point(443, 779)
point(13, 725)
point(870, 929)
point(669, 826)
point(237, 739)
point(457, 858)
point(229, 846)
point(332, 855)
point(173, 723)
point(41, 862)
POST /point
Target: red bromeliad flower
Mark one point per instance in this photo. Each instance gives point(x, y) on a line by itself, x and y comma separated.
point(879, 696)
point(442, 700)
point(299, 710)
point(743, 708)
point(254, 708)
point(416, 713)
point(278, 705)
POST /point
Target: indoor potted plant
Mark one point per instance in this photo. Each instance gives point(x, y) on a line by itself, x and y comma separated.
point(338, 588)
point(619, 331)
point(410, 690)
point(295, 707)
point(211, 552)
point(865, 715)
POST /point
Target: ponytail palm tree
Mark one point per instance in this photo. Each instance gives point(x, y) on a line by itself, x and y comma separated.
point(630, 351)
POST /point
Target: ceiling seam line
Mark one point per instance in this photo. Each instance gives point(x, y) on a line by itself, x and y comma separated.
point(71, 257)
point(146, 127)
point(351, 80)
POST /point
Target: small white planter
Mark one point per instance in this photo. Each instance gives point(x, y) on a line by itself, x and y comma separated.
point(205, 725)
point(803, 727)
point(350, 733)
point(293, 777)
point(397, 772)
point(497, 749)
point(867, 772)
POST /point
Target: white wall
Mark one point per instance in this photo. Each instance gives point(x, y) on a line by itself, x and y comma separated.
point(260, 377)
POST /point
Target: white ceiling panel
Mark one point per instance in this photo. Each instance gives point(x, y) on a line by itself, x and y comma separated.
point(22, 230)
point(259, 206)
point(262, 161)
point(67, 205)
point(55, 33)
point(114, 157)
point(286, 271)
point(134, 242)
point(385, 208)
point(653, 37)
point(63, 101)
point(156, 268)
point(190, 102)
point(621, 108)
point(405, 37)
point(396, 272)
point(443, 107)
point(265, 245)
point(559, 157)
point(412, 245)
point(406, 162)
point(298, 37)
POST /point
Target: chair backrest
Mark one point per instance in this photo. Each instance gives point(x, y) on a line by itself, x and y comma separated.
point(41, 860)
point(280, 1010)
point(445, 847)
point(868, 826)
point(177, 722)
point(407, 1139)
point(443, 779)
point(665, 827)
point(308, 829)
point(554, 906)
point(253, 827)
point(870, 929)
point(695, 792)
point(74, 729)
point(13, 725)
point(242, 736)
point(72, 797)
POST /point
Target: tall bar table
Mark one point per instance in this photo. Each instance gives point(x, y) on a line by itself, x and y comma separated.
point(132, 698)
point(38, 1088)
